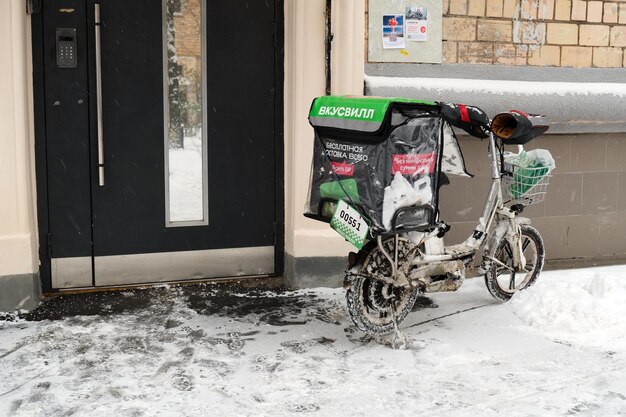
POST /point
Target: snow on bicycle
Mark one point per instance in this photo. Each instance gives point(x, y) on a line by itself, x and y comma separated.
point(378, 166)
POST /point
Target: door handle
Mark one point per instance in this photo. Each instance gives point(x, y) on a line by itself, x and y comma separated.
point(99, 96)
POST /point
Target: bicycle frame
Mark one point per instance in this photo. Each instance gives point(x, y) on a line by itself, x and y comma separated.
point(494, 206)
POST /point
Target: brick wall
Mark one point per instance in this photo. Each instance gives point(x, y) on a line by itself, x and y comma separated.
point(560, 33)
point(188, 41)
point(187, 24)
point(188, 27)
point(535, 32)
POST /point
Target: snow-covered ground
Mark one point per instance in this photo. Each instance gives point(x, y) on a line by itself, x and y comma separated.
point(186, 192)
point(557, 349)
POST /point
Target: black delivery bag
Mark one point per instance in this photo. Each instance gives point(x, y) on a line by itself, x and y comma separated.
point(382, 156)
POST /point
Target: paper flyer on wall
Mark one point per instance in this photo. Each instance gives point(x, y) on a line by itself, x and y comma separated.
point(393, 31)
point(416, 23)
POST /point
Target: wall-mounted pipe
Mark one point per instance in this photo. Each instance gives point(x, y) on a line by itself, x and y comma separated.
point(329, 42)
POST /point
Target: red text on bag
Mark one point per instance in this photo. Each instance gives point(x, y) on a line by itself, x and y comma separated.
point(422, 163)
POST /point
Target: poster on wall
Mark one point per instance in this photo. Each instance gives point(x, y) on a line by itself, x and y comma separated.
point(416, 23)
point(422, 22)
point(393, 31)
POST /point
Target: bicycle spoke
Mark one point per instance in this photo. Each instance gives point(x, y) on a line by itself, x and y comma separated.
point(515, 264)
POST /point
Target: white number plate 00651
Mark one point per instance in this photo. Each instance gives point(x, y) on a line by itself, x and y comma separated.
point(350, 224)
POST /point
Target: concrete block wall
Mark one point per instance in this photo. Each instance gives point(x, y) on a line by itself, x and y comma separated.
point(584, 212)
point(583, 218)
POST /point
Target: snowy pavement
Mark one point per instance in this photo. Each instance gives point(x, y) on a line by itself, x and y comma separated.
point(559, 349)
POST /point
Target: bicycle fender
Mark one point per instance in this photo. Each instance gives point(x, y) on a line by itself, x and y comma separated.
point(502, 229)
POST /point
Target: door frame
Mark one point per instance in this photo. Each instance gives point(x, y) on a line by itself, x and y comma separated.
point(41, 169)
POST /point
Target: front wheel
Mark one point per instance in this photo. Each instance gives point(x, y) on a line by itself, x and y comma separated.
point(502, 282)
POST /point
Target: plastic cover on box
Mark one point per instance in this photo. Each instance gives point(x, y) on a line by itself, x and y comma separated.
point(385, 163)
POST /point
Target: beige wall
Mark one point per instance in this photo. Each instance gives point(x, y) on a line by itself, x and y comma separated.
point(18, 236)
point(305, 80)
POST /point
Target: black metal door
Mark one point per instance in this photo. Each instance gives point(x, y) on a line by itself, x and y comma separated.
point(109, 151)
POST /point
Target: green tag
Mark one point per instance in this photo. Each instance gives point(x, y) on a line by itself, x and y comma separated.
point(350, 224)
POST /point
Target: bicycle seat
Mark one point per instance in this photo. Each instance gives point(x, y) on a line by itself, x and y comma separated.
point(469, 118)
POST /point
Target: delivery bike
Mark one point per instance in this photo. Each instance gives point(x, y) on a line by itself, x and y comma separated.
point(383, 174)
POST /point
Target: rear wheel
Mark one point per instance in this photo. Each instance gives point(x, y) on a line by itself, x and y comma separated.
point(372, 304)
point(502, 282)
